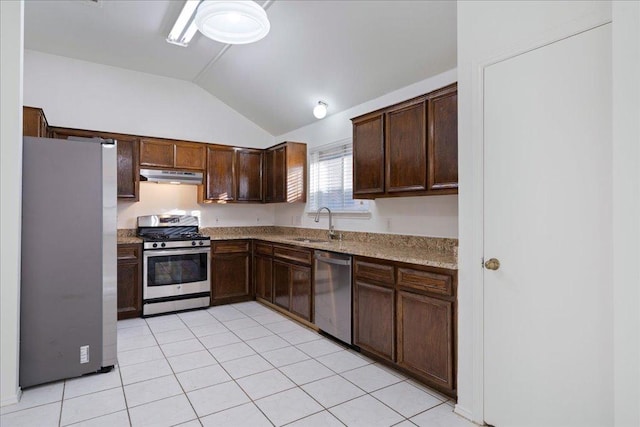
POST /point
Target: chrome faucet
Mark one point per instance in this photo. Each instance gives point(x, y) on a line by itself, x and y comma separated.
point(332, 233)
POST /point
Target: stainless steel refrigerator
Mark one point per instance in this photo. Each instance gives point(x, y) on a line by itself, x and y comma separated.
point(68, 284)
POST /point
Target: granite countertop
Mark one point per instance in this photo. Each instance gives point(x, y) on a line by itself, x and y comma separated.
point(122, 240)
point(392, 252)
point(428, 251)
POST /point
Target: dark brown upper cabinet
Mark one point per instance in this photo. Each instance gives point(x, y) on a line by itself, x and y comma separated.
point(161, 153)
point(219, 181)
point(248, 170)
point(285, 177)
point(443, 139)
point(127, 158)
point(34, 123)
point(408, 149)
point(368, 159)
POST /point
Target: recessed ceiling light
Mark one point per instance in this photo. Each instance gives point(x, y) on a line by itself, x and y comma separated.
point(320, 110)
point(232, 22)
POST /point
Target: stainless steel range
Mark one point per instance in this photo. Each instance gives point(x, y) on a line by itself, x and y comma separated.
point(176, 260)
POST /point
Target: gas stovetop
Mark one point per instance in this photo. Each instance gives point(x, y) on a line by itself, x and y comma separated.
point(171, 231)
point(160, 237)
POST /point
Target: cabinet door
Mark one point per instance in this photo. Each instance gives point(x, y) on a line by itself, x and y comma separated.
point(301, 291)
point(443, 139)
point(279, 174)
point(281, 284)
point(230, 274)
point(368, 155)
point(425, 337)
point(190, 156)
point(249, 175)
point(34, 123)
point(127, 158)
point(406, 150)
point(128, 172)
point(156, 153)
point(129, 281)
point(373, 319)
point(267, 178)
point(263, 277)
point(220, 180)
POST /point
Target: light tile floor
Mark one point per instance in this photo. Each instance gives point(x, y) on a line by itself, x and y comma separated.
point(235, 365)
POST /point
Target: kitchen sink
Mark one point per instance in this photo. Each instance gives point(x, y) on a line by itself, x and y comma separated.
point(307, 240)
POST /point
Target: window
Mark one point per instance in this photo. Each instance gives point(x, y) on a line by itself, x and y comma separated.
point(331, 179)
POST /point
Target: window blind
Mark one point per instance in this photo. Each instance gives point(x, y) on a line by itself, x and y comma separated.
point(331, 178)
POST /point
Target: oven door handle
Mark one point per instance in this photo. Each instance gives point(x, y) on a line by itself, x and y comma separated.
point(165, 252)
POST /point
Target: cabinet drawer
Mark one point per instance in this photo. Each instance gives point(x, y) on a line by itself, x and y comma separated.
point(231, 247)
point(128, 252)
point(298, 255)
point(425, 281)
point(378, 272)
point(264, 249)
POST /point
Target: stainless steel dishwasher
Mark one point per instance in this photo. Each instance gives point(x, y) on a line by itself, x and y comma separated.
point(332, 294)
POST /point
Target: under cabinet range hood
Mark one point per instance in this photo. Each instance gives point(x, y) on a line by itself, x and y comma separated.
point(170, 176)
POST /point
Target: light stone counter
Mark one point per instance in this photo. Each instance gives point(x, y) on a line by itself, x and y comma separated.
point(126, 236)
point(429, 251)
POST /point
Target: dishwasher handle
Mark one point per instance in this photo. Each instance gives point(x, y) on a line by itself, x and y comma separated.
point(324, 257)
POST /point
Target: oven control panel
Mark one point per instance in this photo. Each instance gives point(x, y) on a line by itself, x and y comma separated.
point(174, 244)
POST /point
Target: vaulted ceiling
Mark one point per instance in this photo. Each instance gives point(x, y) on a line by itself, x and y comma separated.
point(341, 52)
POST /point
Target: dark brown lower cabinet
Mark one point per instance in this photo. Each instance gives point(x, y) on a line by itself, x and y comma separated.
point(425, 341)
point(129, 281)
point(281, 284)
point(373, 319)
point(292, 280)
point(404, 315)
point(300, 291)
point(230, 271)
point(263, 267)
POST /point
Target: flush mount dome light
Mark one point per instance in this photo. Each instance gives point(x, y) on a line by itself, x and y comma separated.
point(320, 110)
point(232, 22)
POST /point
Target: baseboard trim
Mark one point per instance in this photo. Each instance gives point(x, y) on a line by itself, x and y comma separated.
point(13, 399)
point(463, 412)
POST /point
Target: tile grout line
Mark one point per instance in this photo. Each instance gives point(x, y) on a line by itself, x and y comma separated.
point(174, 374)
point(260, 354)
point(64, 386)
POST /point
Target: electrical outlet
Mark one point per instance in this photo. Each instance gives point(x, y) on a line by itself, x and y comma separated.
point(388, 224)
point(84, 354)
point(258, 219)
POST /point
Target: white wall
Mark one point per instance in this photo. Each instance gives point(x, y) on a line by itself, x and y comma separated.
point(435, 216)
point(487, 31)
point(626, 211)
point(182, 199)
point(86, 95)
point(11, 42)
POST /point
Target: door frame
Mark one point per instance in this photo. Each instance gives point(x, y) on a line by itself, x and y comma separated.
point(472, 267)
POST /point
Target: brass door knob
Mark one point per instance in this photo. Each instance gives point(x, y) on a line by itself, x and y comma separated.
point(492, 264)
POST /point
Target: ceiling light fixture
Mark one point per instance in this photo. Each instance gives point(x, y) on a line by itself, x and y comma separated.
point(181, 23)
point(320, 110)
point(232, 22)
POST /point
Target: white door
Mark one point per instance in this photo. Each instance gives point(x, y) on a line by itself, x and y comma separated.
point(548, 314)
